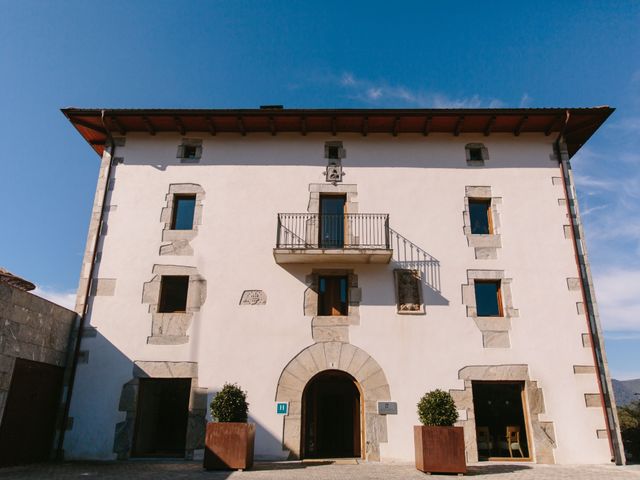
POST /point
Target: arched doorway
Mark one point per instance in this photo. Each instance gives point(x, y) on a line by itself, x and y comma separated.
point(371, 383)
point(331, 416)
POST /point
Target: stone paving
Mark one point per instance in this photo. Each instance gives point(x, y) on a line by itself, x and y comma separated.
point(340, 470)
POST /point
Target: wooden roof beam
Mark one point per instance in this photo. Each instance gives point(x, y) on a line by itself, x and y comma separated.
point(456, 130)
point(365, 126)
point(241, 126)
point(179, 125)
point(147, 123)
point(521, 123)
point(303, 125)
point(427, 126)
point(549, 129)
point(118, 125)
point(396, 123)
point(210, 125)
point(489, 126)
point(333, 126)
point(272, 126)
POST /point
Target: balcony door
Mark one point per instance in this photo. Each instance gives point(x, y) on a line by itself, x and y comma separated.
point(332, 221)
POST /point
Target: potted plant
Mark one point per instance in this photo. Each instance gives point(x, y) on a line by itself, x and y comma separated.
point(229, 439)
point(439, 445)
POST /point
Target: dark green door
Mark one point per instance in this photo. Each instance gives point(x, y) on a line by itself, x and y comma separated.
point(332, 221)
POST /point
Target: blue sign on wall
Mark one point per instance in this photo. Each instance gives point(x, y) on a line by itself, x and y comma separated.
point(282, 408)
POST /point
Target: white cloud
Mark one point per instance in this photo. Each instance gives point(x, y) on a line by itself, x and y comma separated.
point(525, 101)
point(374, 93)
point(383, 93)
point(618, 295)
point(65, 299)
point(347, 79)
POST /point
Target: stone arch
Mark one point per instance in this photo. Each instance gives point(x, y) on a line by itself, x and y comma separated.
point(334, 356)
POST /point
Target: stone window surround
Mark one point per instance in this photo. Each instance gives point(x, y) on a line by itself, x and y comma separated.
point(541, 437)
point(179, 239)
point(345, 357)
point(485, 245)
point(325, 328)
point(350, 190)
point(190, 142)
point(124, 431)
point(418, 277)
point(171, 328)
point(484, 151)
point(495, 330)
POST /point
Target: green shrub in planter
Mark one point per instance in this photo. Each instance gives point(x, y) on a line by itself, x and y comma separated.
point(230, 404)
point(437, 409)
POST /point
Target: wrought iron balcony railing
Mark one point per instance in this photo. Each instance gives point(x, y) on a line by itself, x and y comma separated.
point(333, 231)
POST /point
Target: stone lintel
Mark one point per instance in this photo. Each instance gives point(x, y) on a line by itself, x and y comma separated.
point(584, 369)
point(592, 400)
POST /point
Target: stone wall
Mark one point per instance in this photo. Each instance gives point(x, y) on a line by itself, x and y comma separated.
point(31, 328)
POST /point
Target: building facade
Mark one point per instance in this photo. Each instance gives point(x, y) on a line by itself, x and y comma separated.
point(337, 265)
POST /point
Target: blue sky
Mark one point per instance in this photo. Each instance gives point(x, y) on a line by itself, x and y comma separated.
point(314, 54)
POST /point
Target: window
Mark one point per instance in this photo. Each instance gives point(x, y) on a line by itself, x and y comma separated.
point(488, 298)
point(333, 151)
point(479, 213)
point(173, 293)
point(332, 296)
point(475, 154)
point(183, 210)
point(190, 151)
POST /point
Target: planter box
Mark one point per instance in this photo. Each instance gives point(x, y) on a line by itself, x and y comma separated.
point(229, 446)
point(439, 449)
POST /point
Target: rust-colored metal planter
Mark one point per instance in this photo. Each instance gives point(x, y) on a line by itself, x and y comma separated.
point(439, 449)
point(229, 446)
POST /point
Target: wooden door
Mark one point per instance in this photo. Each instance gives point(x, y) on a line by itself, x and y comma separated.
point(332, 221)
point(28, 423)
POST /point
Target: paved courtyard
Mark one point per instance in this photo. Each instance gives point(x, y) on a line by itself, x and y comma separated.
point(342, 470)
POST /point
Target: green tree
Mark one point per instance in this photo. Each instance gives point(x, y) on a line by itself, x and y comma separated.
point(230, 404)
point(629, 416)
point(437, 408)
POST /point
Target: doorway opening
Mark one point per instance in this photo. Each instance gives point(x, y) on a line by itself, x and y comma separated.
point(28, 426)
point(332, 416)
point(332, 221)
point(161, 418)
point(501, 421)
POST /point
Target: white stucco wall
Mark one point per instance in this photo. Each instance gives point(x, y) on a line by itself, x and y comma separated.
point(420, 181)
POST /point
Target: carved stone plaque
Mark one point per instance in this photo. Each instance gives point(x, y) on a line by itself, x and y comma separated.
point(253, 297)
point(408, 292)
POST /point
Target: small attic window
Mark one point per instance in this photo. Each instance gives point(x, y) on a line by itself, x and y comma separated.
point(333, 151)
point(189, 151)
point(476, 154)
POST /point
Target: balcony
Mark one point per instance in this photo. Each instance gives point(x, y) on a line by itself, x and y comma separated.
point(333, 238)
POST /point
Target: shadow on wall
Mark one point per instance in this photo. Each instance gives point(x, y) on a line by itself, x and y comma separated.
point(407, 255)
point(110, 410)
point(374, 151)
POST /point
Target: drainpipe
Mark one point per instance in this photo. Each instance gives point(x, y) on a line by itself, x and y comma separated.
point(589, 301)
point(85, 309)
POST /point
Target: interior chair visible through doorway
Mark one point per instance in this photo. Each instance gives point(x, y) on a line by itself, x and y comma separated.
point(513, 440)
